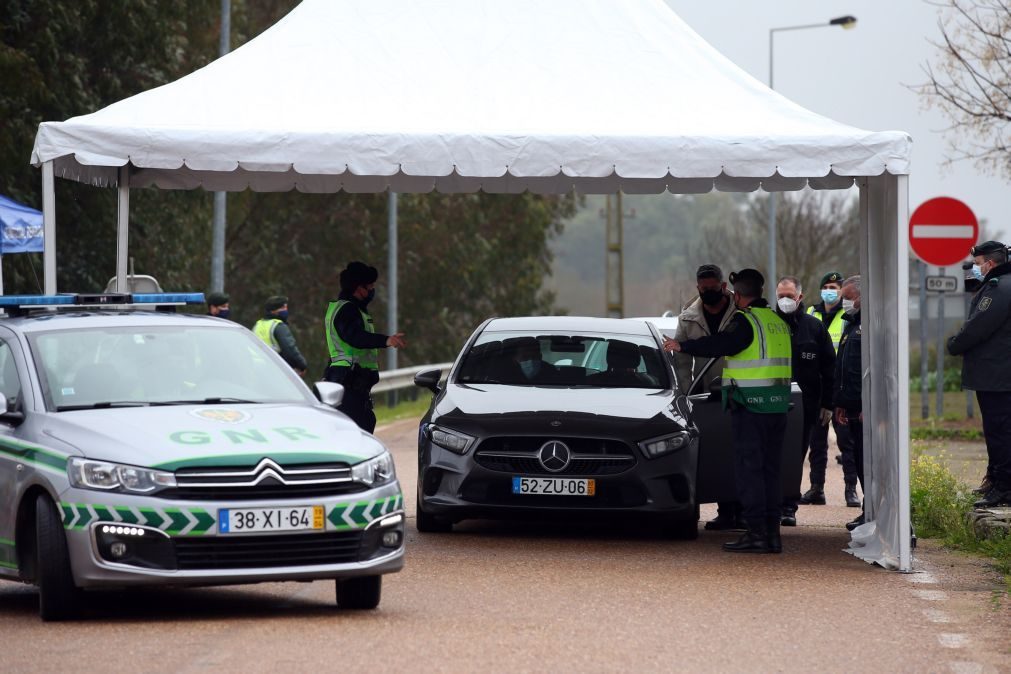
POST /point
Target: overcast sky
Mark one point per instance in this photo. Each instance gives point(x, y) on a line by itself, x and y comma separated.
point(857, 77)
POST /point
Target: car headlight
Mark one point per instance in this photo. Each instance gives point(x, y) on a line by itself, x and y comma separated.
point(665, 444)
point(106, 476)
point(454, 441)
point(375, 471)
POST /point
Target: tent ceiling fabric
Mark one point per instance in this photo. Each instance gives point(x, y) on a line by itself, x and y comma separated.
point(462, 95)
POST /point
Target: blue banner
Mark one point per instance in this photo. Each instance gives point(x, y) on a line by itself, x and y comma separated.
point(20, 228)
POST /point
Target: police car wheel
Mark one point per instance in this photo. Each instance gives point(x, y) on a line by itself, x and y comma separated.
point(359, 593)
point(430, 524)
point(59, 598)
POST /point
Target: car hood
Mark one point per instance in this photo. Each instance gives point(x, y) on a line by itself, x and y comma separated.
point(626, 403)
point(181, 436)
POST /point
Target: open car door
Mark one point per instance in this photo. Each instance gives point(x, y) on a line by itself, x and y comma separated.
point(715, 479)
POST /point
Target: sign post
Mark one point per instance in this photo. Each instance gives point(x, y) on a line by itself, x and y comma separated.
point(941, 232)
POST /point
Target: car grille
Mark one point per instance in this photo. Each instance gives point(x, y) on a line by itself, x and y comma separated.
point(267, 480)
point(248, 552)
point(589, 456)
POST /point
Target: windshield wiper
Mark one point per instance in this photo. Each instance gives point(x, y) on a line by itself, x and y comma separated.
point(208, 401)
point(103, 405)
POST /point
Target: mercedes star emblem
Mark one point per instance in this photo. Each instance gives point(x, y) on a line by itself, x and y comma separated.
point(554, 455)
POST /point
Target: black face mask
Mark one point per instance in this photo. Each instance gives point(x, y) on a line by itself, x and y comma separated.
point(371, 296)
point(711, 298)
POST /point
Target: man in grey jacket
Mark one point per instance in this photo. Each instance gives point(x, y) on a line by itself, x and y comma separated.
point(707, 315)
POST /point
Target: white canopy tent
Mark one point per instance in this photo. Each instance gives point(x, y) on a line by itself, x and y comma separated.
point(505, 96)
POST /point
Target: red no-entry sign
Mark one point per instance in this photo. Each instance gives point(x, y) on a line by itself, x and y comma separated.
point(942, 230)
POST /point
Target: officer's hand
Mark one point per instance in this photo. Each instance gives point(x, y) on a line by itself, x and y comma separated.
point(671, 345)
point(397, 341)
point(840, 416)
point(825, 417)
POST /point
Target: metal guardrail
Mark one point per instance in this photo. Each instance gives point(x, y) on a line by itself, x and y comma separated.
point(403, 377)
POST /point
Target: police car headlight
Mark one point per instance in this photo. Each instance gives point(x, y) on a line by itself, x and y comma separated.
point(375, 471)
point(106, 476)
point(454, 441)
point(665, 444)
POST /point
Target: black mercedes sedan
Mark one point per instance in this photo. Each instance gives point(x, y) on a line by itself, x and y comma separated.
point(560, 416)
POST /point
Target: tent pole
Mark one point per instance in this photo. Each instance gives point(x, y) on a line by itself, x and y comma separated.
point(900, 213)
point(1, 274)
point(391, 265)
point(49, 228)
point(123, 231)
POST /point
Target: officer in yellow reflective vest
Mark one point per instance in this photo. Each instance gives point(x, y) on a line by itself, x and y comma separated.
point(274, 331)
point(756, 389)
point(353, 343)
point(829, 310)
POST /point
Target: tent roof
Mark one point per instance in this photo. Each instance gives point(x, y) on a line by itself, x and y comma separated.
point(461, 95)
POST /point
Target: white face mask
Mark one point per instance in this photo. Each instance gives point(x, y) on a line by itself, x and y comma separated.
point(849, 306)
point(787, 305)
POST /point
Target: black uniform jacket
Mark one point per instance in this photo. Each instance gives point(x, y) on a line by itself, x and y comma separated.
point(351, 327)
point(813, 358)
point(985, 339)
point(849, 383)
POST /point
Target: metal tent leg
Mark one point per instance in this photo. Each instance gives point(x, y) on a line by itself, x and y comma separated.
point(49, 228)
point(123, 231)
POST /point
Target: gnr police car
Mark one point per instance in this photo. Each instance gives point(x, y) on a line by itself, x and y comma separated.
point(145, 447)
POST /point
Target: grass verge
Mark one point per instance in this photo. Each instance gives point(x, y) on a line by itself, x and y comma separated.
point(403, 410)
point(941, 504)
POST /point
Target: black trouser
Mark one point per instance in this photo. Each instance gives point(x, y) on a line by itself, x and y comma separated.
point(758, 443)
point(357, 400)
point(855, 432)
point(819, 453)
point(995, 408)
point(790, 503)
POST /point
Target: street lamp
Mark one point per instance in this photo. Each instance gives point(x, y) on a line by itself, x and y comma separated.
point(845, 22)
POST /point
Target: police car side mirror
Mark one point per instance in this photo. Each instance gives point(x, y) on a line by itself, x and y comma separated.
point(329, 393)
point(429, 379)
point(9, 415)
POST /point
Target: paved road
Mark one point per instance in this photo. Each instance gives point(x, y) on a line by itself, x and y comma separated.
point(501, 597)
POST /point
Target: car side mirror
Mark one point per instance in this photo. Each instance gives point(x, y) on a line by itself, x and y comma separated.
point(429, 379)
point(716, 388)
point(329, 393)
point(9, 415)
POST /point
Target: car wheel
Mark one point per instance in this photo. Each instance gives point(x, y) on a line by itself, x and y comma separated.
point(359, 593)
point(430, 524)
point(59, 598)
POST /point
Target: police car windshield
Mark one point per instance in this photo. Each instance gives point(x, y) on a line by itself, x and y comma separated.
point(584, 360)
point(94, 368)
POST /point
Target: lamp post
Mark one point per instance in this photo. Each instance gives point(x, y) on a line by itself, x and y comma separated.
point(846, 22)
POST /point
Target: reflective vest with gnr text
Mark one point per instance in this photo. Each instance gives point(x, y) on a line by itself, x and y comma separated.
point(835, 328)
point(343, 354)
point(264, 329)
point(758, 378)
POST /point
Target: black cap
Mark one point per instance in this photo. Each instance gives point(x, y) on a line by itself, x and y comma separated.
point(709, 271)
point(748, 276)
point(987, 247)
point(357, 274)
point(831, 277)
point(217, 299)
point(276, 302)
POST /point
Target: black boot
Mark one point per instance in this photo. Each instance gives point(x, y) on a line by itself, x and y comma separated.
point(724, 523)
point(984, 487)
point(753, 540)
point(994, 498)
point(814, 496)
point(773, 538)
point(852, 500)
point(853, 524)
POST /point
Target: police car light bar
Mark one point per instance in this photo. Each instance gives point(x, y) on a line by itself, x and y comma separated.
point(97, 299)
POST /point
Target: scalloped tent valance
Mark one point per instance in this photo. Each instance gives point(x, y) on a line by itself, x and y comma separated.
point(461, 95)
